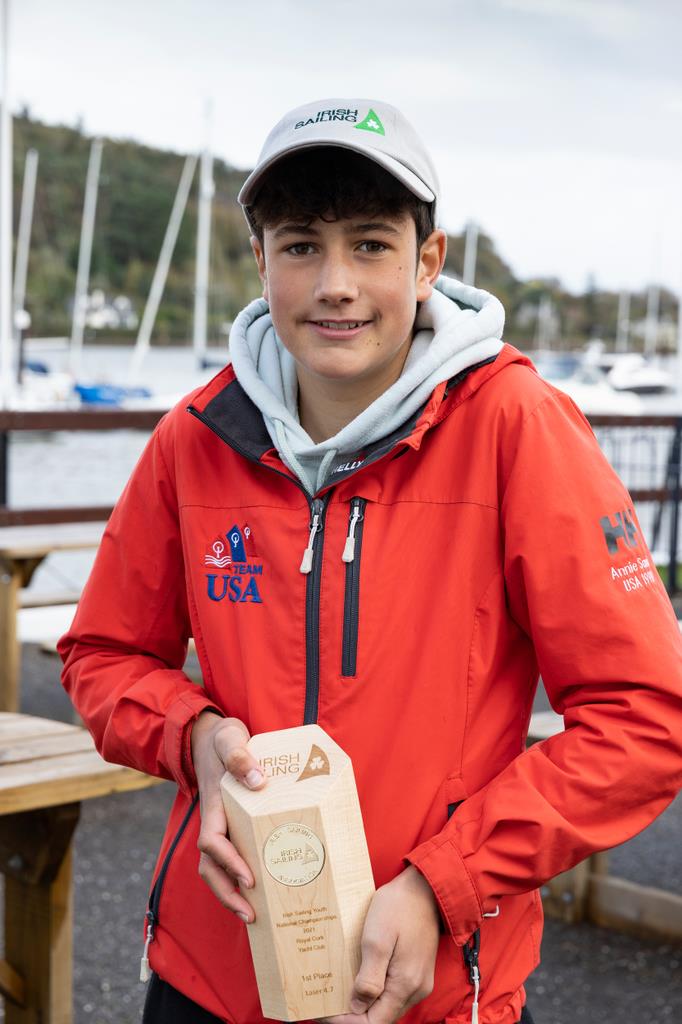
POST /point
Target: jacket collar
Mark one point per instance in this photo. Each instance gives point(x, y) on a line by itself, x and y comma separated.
point(224, 406)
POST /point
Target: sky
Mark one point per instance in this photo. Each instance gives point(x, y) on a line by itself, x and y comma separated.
point(555, 124)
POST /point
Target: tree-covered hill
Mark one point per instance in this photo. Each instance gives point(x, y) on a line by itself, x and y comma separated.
point(136, 192)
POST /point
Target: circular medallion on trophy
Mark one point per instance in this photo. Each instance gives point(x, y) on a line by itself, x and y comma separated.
point(293, 854)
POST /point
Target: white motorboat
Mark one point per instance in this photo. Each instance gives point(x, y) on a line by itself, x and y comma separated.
point(632, 372)
point(586, 385)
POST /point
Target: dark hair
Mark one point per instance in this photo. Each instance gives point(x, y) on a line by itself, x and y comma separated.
point(333, 183)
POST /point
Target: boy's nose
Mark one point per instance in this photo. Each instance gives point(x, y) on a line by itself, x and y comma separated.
point(336, 282)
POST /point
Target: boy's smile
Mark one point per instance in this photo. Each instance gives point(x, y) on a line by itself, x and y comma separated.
point(343, 296)
point(341, 329)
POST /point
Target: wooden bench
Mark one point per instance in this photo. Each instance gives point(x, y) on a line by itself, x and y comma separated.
point(588, 892)
point(46, 769)
point(22, 549)
point(47, 599)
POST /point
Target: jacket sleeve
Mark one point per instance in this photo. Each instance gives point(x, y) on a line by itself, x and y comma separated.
point(582, 585)
point(124, 652)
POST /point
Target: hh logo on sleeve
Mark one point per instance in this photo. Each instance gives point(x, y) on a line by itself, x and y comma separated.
point(620, 528)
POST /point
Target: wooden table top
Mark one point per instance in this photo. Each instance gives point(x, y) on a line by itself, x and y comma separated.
point(40, 539)
point(45, 763)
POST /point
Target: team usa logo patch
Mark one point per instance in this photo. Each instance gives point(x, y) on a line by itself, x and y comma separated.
point(236, 554)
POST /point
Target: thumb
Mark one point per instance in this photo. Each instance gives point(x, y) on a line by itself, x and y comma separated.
point(371, 978)
point(230, 745)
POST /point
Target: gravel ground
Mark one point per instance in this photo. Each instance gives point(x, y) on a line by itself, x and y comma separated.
point(586, 973)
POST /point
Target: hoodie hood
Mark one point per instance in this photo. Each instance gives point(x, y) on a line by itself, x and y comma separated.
point(457, 327)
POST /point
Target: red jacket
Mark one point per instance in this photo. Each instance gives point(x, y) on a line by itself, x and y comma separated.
point(492, 541)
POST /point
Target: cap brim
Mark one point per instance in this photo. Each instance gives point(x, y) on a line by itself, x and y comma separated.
point(408, 178)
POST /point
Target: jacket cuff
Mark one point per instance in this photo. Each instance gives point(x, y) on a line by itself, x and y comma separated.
point(443, 867)
point(177, 735)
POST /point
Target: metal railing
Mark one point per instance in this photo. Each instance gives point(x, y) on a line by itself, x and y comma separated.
point(644, 450)
point(54, 420)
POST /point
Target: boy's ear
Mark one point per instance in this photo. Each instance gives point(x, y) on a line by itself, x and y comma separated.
point(260, 263)
point(430, 264)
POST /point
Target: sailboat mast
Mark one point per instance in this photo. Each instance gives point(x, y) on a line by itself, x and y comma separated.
point(6, 361)
point(24, 234)
point(206, 189)
point(678, 382)
point(470, 253)
point(159, 280)
point(623, 322)
point(84, 254)
point(651, 322)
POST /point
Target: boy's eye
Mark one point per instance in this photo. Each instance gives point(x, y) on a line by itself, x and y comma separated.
point(372, 246)
point(299, 248)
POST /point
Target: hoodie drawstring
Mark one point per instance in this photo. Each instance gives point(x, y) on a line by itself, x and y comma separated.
point(324, 465)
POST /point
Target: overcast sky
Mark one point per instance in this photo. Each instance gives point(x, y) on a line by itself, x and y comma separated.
point(556, 124)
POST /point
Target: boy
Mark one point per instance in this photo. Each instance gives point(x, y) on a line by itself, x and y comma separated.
point(378, 518)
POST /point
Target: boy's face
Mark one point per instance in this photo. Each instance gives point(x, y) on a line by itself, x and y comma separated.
point(343, 294)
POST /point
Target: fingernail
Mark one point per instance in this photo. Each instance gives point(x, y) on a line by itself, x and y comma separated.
point(243, 916)
point(245, 884)
point(254, 777)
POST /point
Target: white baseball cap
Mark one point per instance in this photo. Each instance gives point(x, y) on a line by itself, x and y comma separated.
point(370, 127)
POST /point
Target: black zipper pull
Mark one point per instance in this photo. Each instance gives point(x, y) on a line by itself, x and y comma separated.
point(470, 952)
point(145, 971)
point(315, 527)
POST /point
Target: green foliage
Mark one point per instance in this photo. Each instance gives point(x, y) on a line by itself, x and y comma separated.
point(492, 273)
point(136, 192)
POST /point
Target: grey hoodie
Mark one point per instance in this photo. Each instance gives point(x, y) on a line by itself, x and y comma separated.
point(457, 327)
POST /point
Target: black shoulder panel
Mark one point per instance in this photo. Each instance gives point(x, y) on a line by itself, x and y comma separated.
point(239, 419)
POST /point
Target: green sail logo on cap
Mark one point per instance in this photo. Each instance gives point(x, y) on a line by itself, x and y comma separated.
point(372, 123)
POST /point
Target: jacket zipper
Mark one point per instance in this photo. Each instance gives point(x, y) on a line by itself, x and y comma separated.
point(152, 914)
point(312, 567)
point(351, 601)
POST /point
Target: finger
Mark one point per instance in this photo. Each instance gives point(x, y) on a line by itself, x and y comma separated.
point(214, 843)
point(230, 745)
point(213, 839)
point(371, 978)
point(344, 1018)
point(406, 984)
point(388, 1008)
point(223, 888)
point(395, 1000)
point(226, 857)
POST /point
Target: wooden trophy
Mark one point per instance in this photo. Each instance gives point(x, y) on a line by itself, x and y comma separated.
point(303, 838)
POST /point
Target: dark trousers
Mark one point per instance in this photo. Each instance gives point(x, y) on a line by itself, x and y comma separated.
point(165, 1005)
